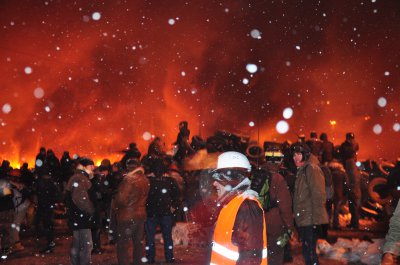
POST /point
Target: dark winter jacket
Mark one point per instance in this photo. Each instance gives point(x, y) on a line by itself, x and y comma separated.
point(246, 235)
point(47, 192)
point(27, 177)
point(66, 166)
point(54, 166)
point(6, 201)
point(315, 147)
point(280, 218)
point(327, 151)
point(340, 180)
point(309, 195)
point(130, 201)
point(183, 145)
point(79, 201)
point(348, 150)
point(99, 190)
point(163, 195)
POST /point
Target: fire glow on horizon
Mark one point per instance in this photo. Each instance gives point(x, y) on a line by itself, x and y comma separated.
point(93, 77)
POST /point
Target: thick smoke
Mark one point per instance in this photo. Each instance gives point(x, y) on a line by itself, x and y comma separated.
point(144, 66)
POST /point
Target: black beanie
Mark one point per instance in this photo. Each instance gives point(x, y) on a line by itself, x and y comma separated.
point(85, 161)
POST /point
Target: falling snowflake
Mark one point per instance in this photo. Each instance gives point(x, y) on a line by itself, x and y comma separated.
point(387, 73)
point(382, 102)
point(28, 70)
point(396, 127)
point(146, 136)
point(96, 16)
point(282, 127)
point(6, 108)
point(287, 113)
point(38, 92)
point(377, 129)
point(298, 47)
point(164, 191)
point(251, 68)
point(256, 34)
point(251, 124)
point(39, 162)
point(171, 21)
point(245, 81)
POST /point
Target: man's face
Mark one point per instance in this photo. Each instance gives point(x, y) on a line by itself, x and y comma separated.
point(220, 189)
point(103, 173)
point(297, 157)
point(89, 169)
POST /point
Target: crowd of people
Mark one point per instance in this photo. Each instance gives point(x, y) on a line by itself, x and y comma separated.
point(289, 192)
point(128, 198)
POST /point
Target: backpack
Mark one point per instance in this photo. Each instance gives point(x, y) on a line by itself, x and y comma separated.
point(261, 183)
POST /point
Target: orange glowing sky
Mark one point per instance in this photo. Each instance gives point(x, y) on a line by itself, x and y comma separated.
point(143, 66)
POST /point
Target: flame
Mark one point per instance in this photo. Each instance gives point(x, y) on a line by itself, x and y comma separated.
point(105, 84)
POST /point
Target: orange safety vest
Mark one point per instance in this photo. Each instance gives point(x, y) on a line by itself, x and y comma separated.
point(223, 251)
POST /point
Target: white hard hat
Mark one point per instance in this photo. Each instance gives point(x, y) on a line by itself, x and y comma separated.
point(233, 160)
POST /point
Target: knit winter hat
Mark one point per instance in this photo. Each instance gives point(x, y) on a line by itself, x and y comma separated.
point(85, 161)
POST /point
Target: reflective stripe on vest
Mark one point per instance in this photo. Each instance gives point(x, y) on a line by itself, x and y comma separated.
point(223, 251)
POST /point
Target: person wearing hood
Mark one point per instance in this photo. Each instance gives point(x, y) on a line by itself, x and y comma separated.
point(80, 209)
point(240, 235)
point(129, 205)
point(308, 201)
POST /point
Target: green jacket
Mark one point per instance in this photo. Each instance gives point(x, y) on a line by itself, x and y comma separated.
point(309, 195)
point(392, 244)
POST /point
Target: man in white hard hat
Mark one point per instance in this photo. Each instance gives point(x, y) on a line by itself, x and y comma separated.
point(240, 231)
